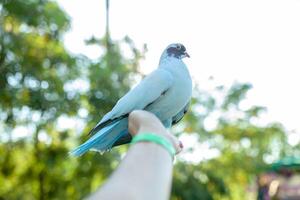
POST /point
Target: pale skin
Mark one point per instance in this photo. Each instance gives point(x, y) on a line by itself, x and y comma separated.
point(146, 171)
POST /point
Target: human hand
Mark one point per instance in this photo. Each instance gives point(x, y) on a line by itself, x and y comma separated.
point(142, 121)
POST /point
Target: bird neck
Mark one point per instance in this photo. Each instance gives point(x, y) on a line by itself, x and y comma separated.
point(169, 61)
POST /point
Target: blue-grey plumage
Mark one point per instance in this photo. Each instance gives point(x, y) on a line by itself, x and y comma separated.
point(165, 92)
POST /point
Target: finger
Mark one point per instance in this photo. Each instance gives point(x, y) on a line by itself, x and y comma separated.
point(176, 143)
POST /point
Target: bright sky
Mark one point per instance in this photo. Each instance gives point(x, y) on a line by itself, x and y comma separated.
point(254, 41)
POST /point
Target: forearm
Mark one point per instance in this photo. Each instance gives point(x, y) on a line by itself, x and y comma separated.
point(145, 173)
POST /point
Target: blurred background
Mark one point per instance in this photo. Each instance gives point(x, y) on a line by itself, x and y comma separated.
point(64, 64)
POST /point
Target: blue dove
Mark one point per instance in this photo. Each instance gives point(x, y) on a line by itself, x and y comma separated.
point(166, 92)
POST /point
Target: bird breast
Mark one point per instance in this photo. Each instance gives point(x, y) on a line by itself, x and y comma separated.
point(177, 96)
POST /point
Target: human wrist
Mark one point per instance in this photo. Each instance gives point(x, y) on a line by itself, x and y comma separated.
point(157, 139)
point(157, 130)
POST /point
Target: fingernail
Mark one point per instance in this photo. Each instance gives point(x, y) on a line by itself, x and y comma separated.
point(180, 144)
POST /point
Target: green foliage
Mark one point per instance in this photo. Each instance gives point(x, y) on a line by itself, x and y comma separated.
point(39, 85)
point(235, 94)
point(195, 182)
point(243, 147)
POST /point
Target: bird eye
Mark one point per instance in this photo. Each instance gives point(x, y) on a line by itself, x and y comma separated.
point(178, 47)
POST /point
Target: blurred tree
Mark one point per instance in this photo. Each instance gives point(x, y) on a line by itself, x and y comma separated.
point(244, 148)
point(41, 83)
point(34, 67)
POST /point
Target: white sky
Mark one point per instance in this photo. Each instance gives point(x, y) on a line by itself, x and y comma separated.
point(255, 41)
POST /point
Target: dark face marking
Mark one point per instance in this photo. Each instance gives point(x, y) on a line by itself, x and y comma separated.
point(183, 48)
point(177, 51)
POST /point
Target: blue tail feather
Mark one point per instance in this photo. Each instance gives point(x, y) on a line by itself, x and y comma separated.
point(104, 139)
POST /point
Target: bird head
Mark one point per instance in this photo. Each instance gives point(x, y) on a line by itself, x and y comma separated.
point(175, 50)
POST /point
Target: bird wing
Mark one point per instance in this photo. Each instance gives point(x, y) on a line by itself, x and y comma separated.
point(180, 115)
point(146, 92)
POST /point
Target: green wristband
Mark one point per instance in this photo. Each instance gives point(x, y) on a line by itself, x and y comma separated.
point(160, 140)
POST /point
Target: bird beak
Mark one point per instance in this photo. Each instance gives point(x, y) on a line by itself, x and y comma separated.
point(186, 55)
